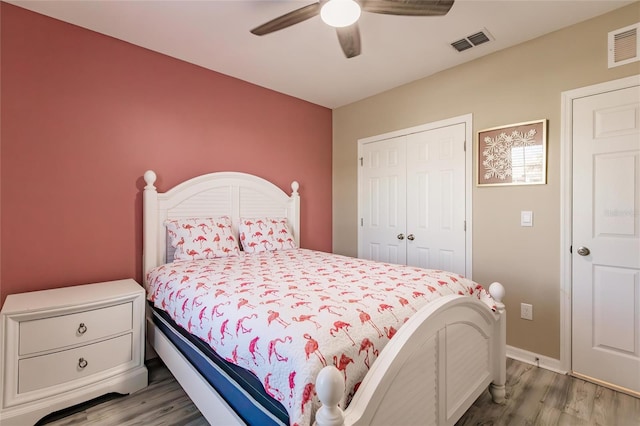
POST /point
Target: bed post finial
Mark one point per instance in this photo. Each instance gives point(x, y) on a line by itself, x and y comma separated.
point(150, 178)
point(496, 290)
point(295, 186)
point(330, 388)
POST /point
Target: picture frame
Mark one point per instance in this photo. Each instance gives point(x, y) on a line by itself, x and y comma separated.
point(515, 154)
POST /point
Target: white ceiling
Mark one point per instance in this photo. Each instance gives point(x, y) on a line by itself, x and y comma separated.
point(305, 60)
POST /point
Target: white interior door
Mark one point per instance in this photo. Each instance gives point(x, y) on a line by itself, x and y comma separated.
point(383, 188)
point(606, 238)
point(436, 199)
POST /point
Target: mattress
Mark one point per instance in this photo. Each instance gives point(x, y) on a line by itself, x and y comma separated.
point(285, 314)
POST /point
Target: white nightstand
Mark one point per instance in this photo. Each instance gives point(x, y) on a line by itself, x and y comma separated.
point(64, 346)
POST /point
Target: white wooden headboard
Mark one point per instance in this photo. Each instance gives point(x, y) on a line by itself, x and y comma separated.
point(215, 194)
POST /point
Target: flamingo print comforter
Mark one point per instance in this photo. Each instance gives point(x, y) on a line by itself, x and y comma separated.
point(286, 314)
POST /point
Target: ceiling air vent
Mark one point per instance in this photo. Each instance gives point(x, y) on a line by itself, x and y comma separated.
point(472, 40)
point(624, 45)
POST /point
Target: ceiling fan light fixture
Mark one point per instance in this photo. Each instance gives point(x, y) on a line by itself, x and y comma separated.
point(340, 13)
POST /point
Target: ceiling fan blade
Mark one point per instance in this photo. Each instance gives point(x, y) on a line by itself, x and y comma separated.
point(349, 38)
point(288, 19)
point(408, 7)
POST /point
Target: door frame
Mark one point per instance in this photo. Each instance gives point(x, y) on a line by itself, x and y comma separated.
point(467, 120)
point(566, 200)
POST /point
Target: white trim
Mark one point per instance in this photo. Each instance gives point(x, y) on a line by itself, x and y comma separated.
point(535, 359)
point(566, 195)
point(467, 120)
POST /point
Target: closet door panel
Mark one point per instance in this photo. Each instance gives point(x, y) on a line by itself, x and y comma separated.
point(384, 189)
point(436, 198)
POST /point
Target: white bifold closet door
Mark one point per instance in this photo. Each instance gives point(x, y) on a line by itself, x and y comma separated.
point(413, 199)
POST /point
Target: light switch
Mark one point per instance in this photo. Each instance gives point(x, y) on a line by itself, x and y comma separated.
point(526, 218)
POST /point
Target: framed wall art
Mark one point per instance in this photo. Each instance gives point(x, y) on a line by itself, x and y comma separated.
point(515, 154)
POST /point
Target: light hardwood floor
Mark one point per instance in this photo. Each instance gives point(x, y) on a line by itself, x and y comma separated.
point(535, 396)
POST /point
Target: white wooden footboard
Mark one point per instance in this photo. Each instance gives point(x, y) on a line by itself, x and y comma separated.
point(431, 372)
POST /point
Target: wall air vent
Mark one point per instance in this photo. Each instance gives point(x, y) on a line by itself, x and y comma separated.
point(472, 40)
point(624, 45)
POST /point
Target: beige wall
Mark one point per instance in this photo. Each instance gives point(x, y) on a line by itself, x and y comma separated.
point(518, 84)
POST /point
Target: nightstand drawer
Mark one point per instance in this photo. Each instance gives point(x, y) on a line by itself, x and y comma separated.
point(59, 367)
point(66, 330)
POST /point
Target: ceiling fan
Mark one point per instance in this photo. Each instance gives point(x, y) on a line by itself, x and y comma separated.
point(344, 14)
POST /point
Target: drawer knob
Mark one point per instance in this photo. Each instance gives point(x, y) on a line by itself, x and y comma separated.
point(82, 328)
point(82, 363)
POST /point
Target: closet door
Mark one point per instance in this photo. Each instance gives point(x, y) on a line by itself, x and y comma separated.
point(383, 188)
point(436, 199)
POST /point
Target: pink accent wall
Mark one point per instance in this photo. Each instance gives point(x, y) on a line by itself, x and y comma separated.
point(84, 115)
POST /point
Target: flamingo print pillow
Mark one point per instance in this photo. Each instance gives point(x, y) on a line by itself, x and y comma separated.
point(202, 238)
point(259, 234)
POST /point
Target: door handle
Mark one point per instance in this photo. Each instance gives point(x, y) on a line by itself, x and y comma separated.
point(410, 237)
point(401, 236)
point(583, 251)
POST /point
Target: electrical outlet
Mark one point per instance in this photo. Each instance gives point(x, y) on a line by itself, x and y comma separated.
point(526, 311)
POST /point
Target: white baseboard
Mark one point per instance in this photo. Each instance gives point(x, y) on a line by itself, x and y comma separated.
point(535, 359)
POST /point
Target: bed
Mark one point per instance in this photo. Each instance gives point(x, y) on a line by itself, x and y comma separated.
point(449, 334)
